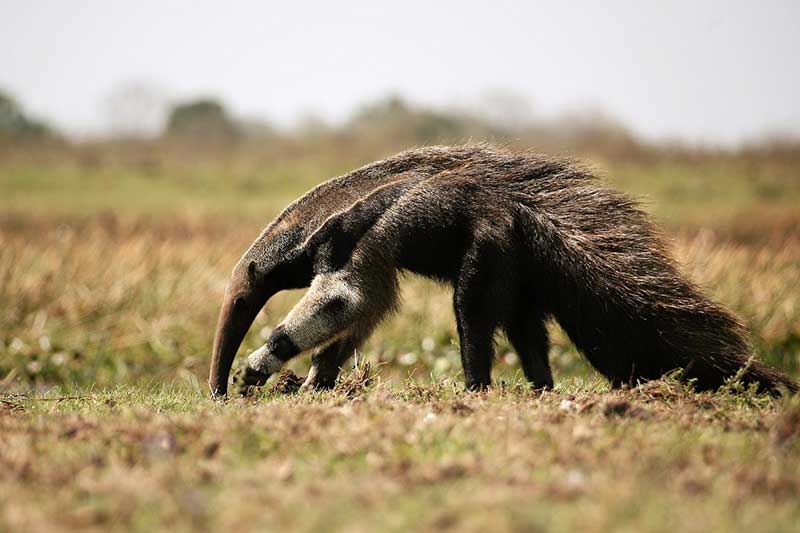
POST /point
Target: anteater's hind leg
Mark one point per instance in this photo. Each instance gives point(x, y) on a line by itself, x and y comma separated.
point(476, 330)
point(479, 304)
point(327, 363)
point(528, 334)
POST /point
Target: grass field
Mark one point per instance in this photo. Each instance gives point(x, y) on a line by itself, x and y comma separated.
point(395, 457)
point(112, 269)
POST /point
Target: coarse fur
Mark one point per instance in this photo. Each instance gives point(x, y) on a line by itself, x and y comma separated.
point(520, 238)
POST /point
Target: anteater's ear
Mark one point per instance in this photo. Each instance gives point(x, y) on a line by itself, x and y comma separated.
point(252, 273)
point(333, 243)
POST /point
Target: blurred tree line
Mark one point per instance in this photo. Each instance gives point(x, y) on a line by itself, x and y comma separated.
point(392, 123)
point(147, 128)
point(16, 125)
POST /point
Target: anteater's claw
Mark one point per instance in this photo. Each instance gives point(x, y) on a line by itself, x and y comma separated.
point(246, 377)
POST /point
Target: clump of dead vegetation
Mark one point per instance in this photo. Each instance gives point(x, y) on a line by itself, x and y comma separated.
point(356, 382)
point(287, 382)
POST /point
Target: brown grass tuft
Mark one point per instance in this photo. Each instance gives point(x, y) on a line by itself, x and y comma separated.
point(356, 382)
point(287, 382)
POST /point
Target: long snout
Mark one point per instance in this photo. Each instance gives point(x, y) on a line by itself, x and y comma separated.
point(239, 309)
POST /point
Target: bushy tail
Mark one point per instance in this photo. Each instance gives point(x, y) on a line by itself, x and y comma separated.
point(712, 373)
point(604, 273)
point(768, 378)
point(709, 344)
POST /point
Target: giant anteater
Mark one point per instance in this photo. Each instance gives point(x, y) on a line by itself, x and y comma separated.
point(519, 237)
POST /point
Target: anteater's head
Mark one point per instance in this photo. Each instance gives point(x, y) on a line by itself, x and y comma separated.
point(272, 264)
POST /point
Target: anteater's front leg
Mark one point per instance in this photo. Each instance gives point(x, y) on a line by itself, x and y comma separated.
point(329, 311)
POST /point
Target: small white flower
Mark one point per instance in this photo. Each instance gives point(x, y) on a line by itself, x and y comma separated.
point(510, 358)
point(59, 358)
point(441, 365)
point(575, 479)
point(566, 405)
point(16, 345)
point(44, 343)
point(407, 359)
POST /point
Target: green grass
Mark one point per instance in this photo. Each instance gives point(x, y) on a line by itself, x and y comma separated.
point(709, 191)
point(207, 189)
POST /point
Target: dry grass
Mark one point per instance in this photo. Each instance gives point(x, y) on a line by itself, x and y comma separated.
point(109, 301)
point(427, 457)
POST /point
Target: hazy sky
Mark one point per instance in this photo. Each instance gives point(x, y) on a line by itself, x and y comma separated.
point(716, 71)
